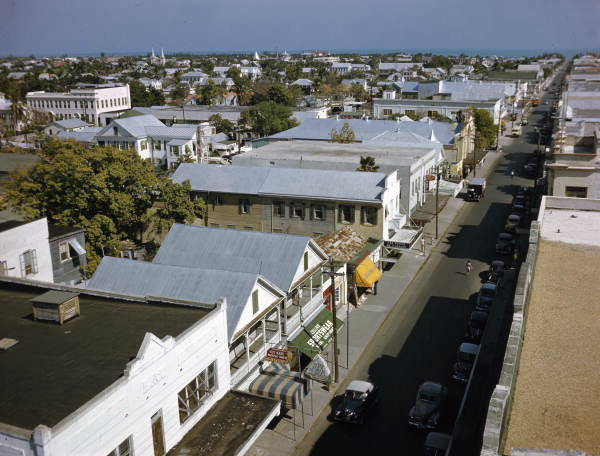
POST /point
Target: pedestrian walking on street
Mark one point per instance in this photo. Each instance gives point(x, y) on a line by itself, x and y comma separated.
point(423, 245)
point(468, 267)
point(512, 174)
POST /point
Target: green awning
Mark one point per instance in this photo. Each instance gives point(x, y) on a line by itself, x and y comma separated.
point(315, 336)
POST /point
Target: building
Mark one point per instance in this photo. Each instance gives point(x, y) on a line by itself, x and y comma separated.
point(302, 201)
point(193, 114)
point(67, 250)
point(93, 103)
point(66, 125)
point(547, 401)
point(290, 263)
point(151, 139)
point(25, 250)
point(115, 375)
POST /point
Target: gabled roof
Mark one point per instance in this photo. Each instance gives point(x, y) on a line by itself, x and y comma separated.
point(139, 278)
point(273, 256)
point(135, 125)
point(290, 182)
point(70, 123)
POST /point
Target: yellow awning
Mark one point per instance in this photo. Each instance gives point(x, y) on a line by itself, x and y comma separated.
point(367, 274)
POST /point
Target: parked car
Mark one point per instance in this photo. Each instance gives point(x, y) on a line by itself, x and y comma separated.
point(476, 325)
point(506, 243)
point(494, 278)
point(467, 353)
point(359, 398)
point(519, 209)
point(487, 295)
point(436, 444)
point(530, 169)
point(520, 199)
point(497, 267)
point(426, 412)
point(512, 223)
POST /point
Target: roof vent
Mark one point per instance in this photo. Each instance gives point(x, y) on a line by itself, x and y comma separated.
point(55, 305)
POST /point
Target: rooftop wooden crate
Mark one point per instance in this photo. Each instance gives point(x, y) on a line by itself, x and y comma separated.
point(55, 305)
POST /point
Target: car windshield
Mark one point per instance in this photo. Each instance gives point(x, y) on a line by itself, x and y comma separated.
point(427, 397)
point(488, 292)
point(477, 324)
point(355, 395)
point(467, 357)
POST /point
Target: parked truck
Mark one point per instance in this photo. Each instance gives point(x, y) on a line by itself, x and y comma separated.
point(516, 131)
point(535, 102)
point(475, 189)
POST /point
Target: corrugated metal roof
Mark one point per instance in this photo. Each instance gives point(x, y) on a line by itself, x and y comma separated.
point(259, 180)
point(139, 278)
point(175, 132)
point(274, 256)
point(70, 123)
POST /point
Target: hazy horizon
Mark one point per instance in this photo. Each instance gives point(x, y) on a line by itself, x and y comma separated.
point(86, 28)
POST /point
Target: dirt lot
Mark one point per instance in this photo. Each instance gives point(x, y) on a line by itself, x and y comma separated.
point(557, 399)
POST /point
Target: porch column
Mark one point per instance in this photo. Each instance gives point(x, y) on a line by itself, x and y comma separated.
point(264, 331)
point(247, 351)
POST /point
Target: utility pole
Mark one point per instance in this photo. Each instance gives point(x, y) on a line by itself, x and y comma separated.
point(437, 192)
point(332, 276)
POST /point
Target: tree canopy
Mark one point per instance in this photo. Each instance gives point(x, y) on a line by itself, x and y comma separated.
point(113, 194)
point(268, 118)
point(141, 96)
point(345, 136)
point(222, 125)
point(485, 130)
point(367, 164)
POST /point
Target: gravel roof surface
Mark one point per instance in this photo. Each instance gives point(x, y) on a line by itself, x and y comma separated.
point(557, 397)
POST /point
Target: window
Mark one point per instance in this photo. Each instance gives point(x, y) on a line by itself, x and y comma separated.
point(63, 250)
point(255, 301)
point(387, 112)
point(297, 211)
point(409, 112)
point(28, 261)
point(3, 268)
point(576, 192)
point(337, 295)
point(346, 213)
point(124, 448)
point(369, 215)
point(218, 200)
point(143, 144)
point(432, 113)
point(306, 261)
point(318, 212)
point(244, 206)
point(231, 227)
point(156, 145)
point(278, 208)
point(248, 228)
point(192, 396)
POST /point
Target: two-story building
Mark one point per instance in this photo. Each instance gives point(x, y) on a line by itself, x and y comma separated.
point(296, 201)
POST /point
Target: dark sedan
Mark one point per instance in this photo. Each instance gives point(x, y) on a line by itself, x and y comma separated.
point(359, 398)
point(426, 412)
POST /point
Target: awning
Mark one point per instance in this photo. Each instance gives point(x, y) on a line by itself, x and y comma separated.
point(367, 273)
point(317, 334)
point(278, 387)
point(77, 246)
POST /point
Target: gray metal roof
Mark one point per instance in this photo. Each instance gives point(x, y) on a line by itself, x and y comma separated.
point(274, 256)
point(370, 130)
point(134, 125)
point(70, 123)
point(139, 278)
point(293, 182)
point(87, 135)
point(175, 132)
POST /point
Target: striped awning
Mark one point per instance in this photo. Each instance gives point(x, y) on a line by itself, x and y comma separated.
point(278, 387)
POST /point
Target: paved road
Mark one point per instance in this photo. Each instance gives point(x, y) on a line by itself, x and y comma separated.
point(419, 339)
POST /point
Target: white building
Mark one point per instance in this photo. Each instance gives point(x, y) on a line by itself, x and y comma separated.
point(58, 126)
point(151, 139)
point(134, 377)
point(25, 250)
point(87, 102)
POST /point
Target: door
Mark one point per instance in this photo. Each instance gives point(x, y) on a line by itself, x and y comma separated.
point(157, 434)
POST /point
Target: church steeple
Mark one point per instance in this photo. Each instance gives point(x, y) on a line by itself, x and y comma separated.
point(162, 57)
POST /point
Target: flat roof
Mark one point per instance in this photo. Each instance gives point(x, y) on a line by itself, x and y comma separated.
point(55, 369)
point(230, 423)
point(557, 393)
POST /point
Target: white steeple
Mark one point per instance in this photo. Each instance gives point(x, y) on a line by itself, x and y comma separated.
point(153, 56)
point(256, 56)
point(162, 57)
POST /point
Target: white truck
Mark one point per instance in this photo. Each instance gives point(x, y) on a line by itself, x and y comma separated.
point(516, 131)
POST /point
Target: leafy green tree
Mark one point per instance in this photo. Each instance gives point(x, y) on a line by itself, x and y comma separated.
point(210, 93)
point(110, 192)
point(345, 136)
point(485, 130)
point(367, 164)
point(222, 125)
point(358, 92)
point(179, 93)
point(241, 85)
point(142, 96)
point(268, 118)
point(281, 95)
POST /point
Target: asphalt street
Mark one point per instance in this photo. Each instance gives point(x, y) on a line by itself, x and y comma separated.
point(420, 337)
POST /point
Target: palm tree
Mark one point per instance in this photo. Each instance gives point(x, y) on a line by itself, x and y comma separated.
point(367, 164)
point(18, 112)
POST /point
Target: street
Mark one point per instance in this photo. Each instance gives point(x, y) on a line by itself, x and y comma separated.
point(420, 337)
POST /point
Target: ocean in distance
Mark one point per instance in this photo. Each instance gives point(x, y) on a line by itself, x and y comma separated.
point(568, 53)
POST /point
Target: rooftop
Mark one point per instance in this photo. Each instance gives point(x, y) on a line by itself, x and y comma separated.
point(557, 396)
point(289, 182)
point(56, 231)
point(53, 370)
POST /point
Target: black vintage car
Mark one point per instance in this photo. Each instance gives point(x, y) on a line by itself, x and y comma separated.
point(436, 444)
point(426, 412)
point(497, 267)
point(359, 398)
point(464, 361)
point(476, 326)
point(506, 243)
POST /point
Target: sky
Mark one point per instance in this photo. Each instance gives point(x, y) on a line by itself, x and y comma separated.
point(57, 27)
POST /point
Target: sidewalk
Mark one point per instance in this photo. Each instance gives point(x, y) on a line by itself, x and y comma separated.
point(278, 440)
